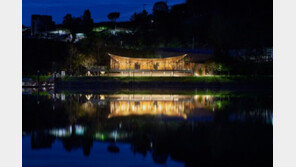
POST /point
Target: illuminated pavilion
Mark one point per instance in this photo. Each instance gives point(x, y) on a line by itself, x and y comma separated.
point(169, 66)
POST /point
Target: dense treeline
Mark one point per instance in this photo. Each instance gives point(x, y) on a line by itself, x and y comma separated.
point(43, 55)
point(214, 24)
point(49, 56)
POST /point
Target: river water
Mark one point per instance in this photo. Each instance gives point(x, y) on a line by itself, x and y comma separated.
point(147, 128)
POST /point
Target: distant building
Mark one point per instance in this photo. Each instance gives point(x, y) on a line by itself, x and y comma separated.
point(25, 28)
point(79, 36)
point(26, 31)
point(41, 24)
point(120, 30)
point(255, 55)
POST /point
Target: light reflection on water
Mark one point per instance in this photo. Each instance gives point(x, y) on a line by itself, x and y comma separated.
point(165, 105)
point(171, 128)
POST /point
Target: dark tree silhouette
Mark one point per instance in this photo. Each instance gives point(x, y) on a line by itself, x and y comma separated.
point(73, 24)
point(160, 7)
point(141, 21)
point(67, 22)
point(113, 16)
point(87, 23)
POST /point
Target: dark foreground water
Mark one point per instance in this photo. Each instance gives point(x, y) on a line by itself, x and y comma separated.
point(194, 128)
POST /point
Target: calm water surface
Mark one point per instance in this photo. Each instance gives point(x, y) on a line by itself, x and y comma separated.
point(194, 128)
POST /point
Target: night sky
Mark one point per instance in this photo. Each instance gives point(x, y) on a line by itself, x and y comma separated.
point(98, 8)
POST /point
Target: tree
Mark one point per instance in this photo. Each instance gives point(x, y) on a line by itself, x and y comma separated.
point(88, 62)
point(73, 24)
point(80, 63)
point(72, 52)
point(87, 23)
point(141, 22)
point(160, 7)
point(113, 16)
point(161, 23)
point(67, 22)
point(200, 7)
point(101, 57)
point(140, 19)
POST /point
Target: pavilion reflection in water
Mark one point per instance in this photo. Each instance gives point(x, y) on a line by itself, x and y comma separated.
point(165, 105)
point(168, 105)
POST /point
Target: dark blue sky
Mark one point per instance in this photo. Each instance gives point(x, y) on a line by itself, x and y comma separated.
point(98, 8)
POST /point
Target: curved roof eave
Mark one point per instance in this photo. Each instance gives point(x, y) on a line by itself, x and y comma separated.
point(116, 57)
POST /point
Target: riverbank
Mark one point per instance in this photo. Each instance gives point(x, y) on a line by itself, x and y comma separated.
point(183, 83)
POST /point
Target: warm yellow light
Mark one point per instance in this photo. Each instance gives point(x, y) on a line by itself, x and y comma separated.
point(196, 97)
point(102, 97)
point(88, 96)
point(125, 105)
